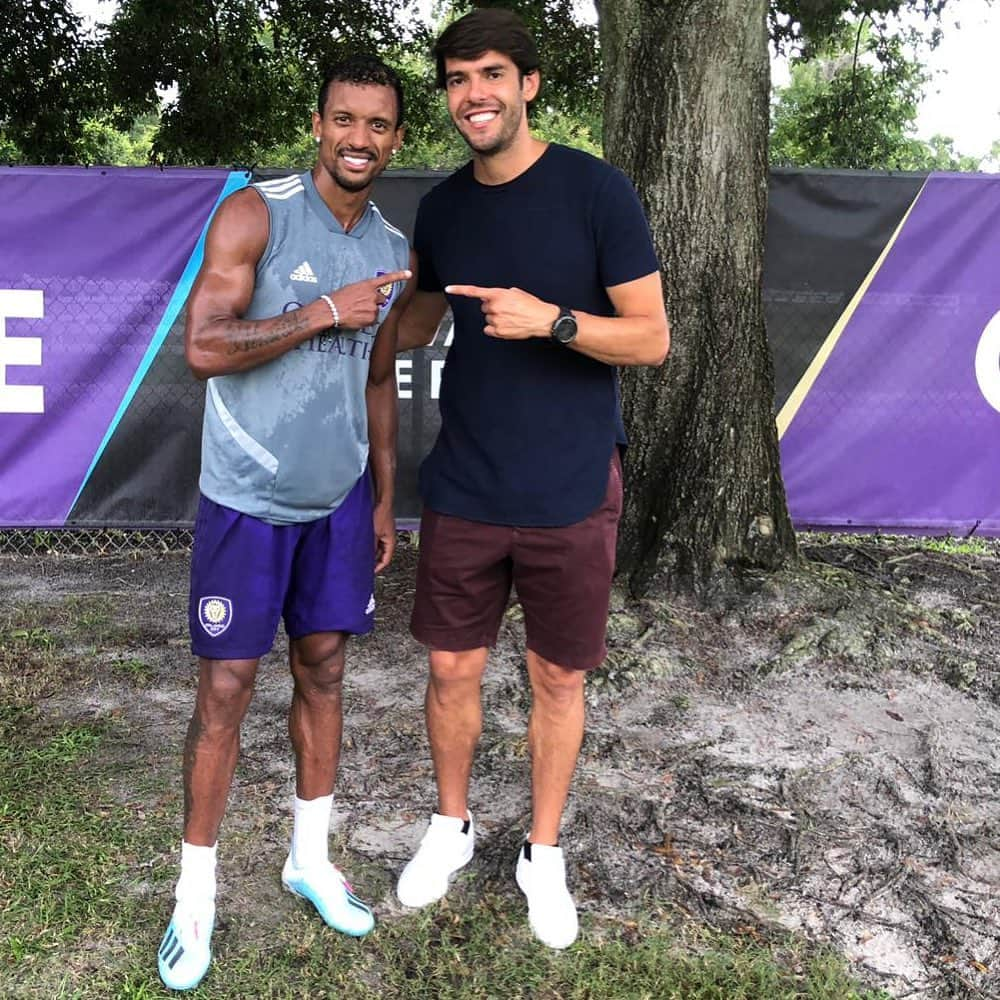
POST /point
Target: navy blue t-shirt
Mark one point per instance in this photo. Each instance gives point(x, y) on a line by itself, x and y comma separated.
point(528, 426)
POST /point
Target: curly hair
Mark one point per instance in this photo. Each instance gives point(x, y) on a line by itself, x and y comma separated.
point(363, 70)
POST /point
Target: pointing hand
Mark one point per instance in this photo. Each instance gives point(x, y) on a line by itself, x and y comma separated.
point(511, 314)
point(358, 304)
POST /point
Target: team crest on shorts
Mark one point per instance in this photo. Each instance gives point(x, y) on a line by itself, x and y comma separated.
point(215, 614)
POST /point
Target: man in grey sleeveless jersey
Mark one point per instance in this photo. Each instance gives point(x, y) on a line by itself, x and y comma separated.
point(292, 321)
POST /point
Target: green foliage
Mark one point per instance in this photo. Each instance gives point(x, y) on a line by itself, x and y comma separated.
point(569, 129)
point(233, 94)
point(51, 81)
point(98, 142)
point(939, 153)
point(238, 79)
point(10, 152)
point(234, 82)
point(242, 75)
point(802, 25)
point(852, 102)
point(101, 143)
point(431, 140)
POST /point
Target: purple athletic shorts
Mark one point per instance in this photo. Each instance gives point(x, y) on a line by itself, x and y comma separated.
point(247, 574)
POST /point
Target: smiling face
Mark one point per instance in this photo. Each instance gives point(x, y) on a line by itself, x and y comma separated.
point(357, 133)
point(488, 99)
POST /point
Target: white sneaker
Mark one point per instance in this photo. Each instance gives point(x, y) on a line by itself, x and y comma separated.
point(186, 949)
point(541, 876)
point(447, 846)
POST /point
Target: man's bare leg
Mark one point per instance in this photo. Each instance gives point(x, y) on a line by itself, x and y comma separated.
point(454, 720)
point(315, 724)
point(555, 733)
point(211, 750)
point(212, 747)
point(315, 720)
point(454, 723)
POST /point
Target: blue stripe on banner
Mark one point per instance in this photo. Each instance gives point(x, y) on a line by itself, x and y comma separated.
point(237, 179)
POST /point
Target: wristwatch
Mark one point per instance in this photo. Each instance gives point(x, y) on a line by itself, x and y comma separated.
point(564, 328)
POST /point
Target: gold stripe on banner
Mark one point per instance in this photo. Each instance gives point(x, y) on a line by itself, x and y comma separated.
point(799, 393)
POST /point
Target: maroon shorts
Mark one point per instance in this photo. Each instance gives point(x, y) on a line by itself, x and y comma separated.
point(562, 577)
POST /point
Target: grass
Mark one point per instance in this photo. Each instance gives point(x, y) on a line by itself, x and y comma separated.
point(972, 545)
point(959, 546)
point(45, 646)
point(80, 922)
point(88, 853)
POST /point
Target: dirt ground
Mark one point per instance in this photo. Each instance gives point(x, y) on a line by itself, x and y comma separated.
point(822, 754)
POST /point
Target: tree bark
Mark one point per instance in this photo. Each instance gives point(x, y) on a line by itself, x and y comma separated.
point(686, 117)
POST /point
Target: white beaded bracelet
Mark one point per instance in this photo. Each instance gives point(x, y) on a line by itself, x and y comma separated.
point(333, 309)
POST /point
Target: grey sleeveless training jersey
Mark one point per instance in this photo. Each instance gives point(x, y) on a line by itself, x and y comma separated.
point(286, 441)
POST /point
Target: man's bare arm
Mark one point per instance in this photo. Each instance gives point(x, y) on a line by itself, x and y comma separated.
point(422, 315)
point(638, 333)
point(217, 340)
point(383, 417)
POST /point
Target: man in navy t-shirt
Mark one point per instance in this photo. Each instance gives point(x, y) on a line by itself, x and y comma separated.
point(545, 257)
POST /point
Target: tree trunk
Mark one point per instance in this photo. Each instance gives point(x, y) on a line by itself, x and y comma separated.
point(686, 117)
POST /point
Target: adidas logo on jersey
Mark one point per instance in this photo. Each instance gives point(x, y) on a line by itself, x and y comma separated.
point(304, 273)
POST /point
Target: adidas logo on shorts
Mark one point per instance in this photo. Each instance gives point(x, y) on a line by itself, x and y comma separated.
point(304, 273)
point(371, 605)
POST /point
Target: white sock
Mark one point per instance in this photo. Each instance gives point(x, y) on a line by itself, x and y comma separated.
point(197, 882)
point(311, 832)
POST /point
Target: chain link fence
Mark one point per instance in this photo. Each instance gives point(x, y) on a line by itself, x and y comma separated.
point(93, 542)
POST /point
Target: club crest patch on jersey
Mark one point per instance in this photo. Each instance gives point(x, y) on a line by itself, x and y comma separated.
point(387, 289)
point(215, 614)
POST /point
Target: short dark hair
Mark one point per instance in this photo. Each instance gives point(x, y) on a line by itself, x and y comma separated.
point(487, 29)
point(363, 70)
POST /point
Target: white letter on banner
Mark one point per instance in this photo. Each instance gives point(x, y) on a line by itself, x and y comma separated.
point(988, 363)
point(24, 304)
point(404, 378)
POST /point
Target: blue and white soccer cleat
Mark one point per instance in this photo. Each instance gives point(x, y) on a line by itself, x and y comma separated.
point(327, 889)
point(186, 949)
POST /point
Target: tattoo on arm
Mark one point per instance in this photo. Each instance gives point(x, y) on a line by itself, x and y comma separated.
point(243, 336)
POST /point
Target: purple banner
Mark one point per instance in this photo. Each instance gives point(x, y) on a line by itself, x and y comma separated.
point(90, 262)
point(896, 425)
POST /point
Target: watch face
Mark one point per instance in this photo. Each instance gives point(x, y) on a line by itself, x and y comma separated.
point(564, 328)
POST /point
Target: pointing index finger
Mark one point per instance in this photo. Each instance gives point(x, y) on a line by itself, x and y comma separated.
point(471, 291)
point(391, 278)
